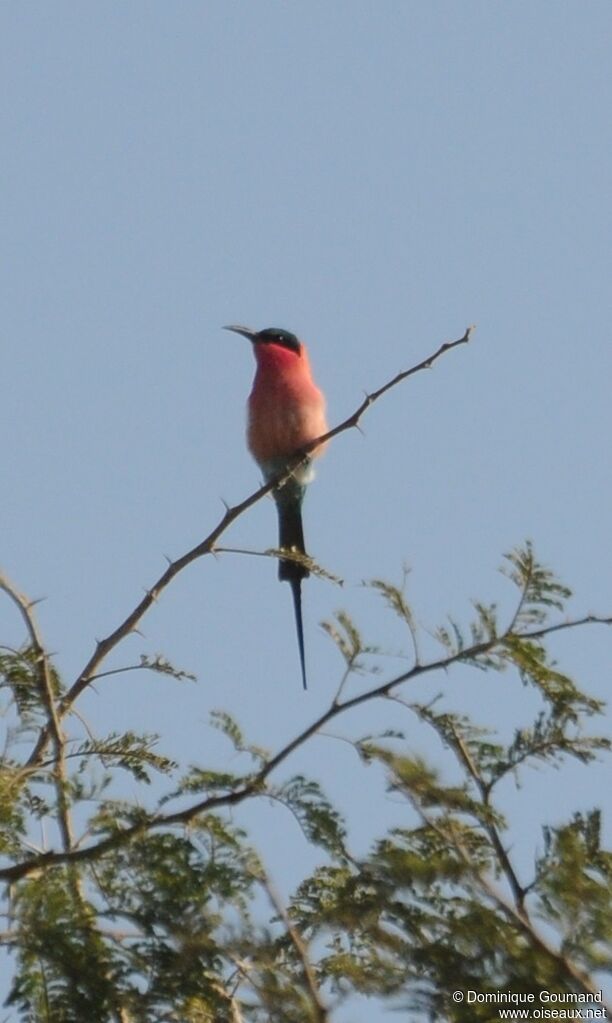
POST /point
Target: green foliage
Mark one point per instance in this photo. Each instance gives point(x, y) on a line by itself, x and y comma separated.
point(64, 971)
point(225, 723)
point(12, 810)
point(574, 886)
point(20, 676)
point(161, 912)
point(349, 641)
point(133, 753)
point(540, 590)
point(162, 666)
point(167, 888)
point(321, 824)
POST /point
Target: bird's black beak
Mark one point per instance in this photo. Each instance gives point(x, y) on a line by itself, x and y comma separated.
point(245, 331)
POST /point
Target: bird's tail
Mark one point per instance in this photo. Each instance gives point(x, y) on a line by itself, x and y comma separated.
point(296, 590)
point(290, 529)
point(291, 537)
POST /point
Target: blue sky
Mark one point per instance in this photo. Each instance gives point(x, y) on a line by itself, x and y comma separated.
point(374, 177)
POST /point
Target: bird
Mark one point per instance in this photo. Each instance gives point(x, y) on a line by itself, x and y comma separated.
point(286, 411)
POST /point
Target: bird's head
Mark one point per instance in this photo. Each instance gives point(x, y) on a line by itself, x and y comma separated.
point(270, 336)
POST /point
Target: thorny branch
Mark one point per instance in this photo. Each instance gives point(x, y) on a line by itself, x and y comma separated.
point(208, 545)
point(47, 697)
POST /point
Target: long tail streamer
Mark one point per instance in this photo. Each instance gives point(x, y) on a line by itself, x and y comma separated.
point(296, 589)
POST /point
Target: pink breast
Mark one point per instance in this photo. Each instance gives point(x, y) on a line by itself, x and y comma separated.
point(286, 411)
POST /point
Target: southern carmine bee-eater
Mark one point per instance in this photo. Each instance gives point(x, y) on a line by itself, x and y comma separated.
point(286, 410)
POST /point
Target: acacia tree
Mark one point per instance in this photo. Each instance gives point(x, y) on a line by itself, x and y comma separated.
point(143, 916)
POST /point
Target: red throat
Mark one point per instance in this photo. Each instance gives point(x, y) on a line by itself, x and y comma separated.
point(275, 359)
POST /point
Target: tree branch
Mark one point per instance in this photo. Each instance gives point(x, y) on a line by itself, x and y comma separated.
point(511, 912)
point(254, 785)
point(208, 545)
point(47, 697)
point(518, 892)
point(318, 1006)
